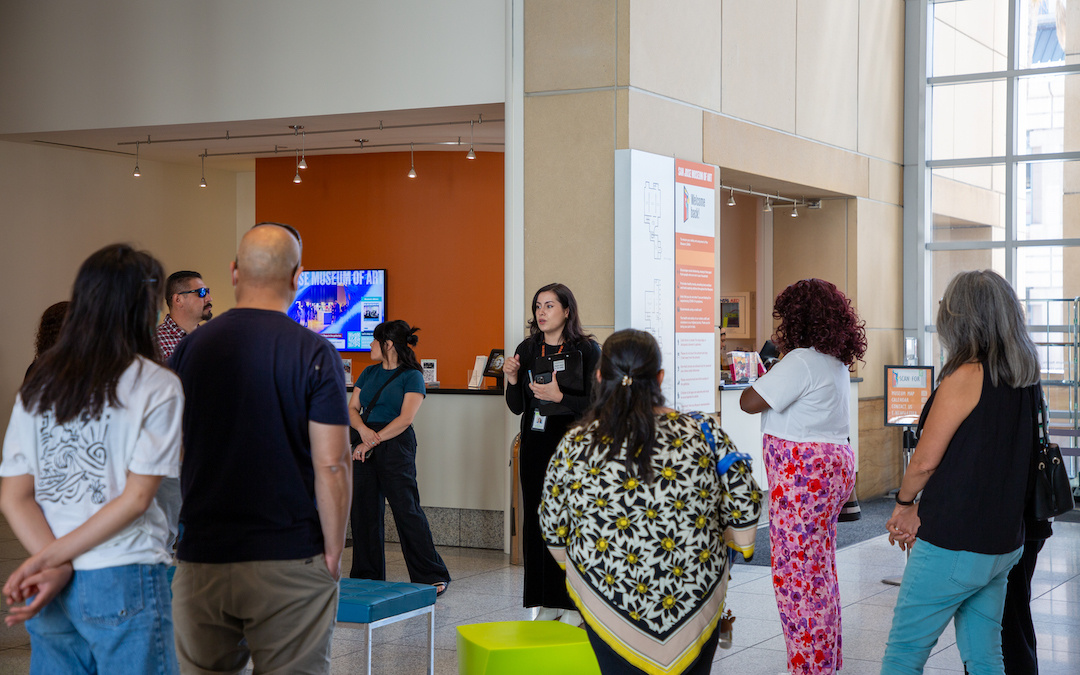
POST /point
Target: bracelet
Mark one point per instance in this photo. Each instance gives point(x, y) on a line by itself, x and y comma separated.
point(901, 502)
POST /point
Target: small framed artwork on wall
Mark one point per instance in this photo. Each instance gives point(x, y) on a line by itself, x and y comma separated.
point(735, 314)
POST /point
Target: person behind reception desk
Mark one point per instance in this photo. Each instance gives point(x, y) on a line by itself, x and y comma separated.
point(384, 403)
point(547, 412)
point(808, 459)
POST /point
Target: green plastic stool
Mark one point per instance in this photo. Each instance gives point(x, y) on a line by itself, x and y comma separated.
point(524, 648)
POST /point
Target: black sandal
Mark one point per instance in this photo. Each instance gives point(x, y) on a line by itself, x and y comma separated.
point(439, 591)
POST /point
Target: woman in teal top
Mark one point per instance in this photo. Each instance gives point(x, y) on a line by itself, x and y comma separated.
point(384, 403)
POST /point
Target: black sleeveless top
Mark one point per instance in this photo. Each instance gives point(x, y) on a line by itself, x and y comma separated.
point(974, 501)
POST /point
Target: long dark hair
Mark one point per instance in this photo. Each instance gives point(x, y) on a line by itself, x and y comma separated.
point(404, 339)
point(624, 402)
point(110, 321)
point(52, 319)
point(814, 313)
point(572, 332)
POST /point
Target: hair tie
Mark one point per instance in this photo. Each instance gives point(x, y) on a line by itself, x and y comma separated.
point(627, 380)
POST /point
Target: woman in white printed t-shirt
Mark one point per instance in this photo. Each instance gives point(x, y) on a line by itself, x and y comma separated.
point(96, 426)
point(808, 459)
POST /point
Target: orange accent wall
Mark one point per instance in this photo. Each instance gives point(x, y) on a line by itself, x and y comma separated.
point(439, 236)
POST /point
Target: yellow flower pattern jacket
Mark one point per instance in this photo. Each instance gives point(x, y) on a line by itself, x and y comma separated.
point(647, 564)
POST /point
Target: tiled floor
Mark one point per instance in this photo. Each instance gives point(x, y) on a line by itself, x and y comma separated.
point(487, 588)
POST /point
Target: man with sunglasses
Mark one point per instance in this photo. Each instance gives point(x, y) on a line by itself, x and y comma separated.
point(189, 303)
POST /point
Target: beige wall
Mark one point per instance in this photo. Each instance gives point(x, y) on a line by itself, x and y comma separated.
point(738, 259)
point(69, 64)
point(58, 206)
point(810, 94)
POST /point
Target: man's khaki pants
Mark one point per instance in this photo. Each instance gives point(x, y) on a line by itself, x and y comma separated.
point(280, 613)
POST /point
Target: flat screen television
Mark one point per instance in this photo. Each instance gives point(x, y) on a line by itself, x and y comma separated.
point(344, 306)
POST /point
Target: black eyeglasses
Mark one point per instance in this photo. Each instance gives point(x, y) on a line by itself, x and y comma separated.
point(203, 292)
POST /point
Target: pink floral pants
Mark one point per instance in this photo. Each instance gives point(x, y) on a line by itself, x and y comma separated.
point(809, 483)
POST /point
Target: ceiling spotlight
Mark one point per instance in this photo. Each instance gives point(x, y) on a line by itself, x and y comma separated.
point(412, 164)
point(731, 198)
point(472, 154)
point(794, 210)
point(202, 182)
point(136, 173)
point(303, 150)
point(768, 205)
point(296, 178)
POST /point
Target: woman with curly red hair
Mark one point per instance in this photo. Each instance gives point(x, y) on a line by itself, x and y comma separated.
point(804, 402)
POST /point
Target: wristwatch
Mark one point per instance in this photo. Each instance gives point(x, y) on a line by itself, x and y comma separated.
point(901, 502)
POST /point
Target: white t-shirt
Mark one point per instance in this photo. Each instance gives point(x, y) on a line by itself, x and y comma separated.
point(808, 394)
point(81, 465)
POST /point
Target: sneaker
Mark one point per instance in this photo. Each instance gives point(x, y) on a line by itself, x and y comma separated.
point(850, 512)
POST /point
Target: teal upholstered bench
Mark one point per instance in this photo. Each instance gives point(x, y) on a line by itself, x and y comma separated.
point(379, 603)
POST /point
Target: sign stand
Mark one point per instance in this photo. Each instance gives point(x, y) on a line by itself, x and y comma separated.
point(909, 448)
point(907, 389)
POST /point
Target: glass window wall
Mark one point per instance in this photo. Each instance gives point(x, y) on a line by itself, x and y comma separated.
point(1003, 165)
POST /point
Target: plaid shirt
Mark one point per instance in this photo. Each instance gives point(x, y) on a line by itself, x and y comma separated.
point(167, 336)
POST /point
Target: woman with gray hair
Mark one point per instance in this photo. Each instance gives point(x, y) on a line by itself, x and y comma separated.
point(971, 465)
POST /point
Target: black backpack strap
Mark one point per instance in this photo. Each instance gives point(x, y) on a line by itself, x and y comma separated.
point(375, 399)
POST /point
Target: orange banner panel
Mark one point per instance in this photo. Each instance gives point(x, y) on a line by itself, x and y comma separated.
point(693, 242)
point(694, 299)
point(693, 173)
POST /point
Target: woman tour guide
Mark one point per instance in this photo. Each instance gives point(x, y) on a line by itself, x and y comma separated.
point(547, 408)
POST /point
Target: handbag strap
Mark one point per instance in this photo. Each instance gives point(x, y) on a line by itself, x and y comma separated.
point(1040, 417)
point(375, 399)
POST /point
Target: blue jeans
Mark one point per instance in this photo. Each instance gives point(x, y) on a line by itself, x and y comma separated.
point(940, 585)
point(111, 620)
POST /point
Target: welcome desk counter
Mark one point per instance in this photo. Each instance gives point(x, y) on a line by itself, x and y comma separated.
point(744, 429)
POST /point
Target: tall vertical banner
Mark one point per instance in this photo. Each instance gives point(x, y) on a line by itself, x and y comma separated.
point(695, 286)
point(645, 251)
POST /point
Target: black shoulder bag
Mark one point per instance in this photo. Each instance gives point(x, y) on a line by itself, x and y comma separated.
point(354, 435)
point(1051, 494)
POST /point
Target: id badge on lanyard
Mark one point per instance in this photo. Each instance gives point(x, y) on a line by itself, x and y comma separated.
point(539, 422)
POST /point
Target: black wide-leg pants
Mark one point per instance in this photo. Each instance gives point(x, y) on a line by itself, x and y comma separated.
point(545, 581)
point(390, 472)
point(1017, 629)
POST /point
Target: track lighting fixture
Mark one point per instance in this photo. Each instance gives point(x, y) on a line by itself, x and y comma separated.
point(412, 164)
point(795, 210)
point(296, 178)
point(768, 205)
point(731, 198)
point(202, 182)
point(298, 130)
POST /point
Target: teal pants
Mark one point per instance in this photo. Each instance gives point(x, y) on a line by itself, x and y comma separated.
point(940, 585)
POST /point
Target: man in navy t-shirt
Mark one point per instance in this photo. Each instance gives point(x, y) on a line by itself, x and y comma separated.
point(266, 477)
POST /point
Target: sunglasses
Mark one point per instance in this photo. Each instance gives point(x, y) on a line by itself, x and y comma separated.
point(203, 292)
